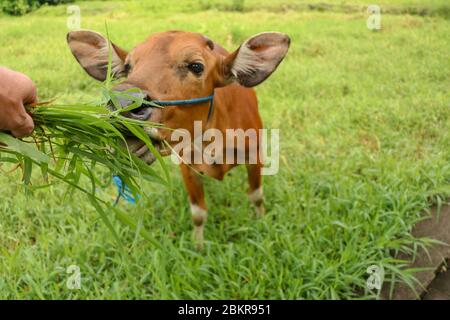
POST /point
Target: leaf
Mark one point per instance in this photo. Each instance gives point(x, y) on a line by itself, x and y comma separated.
point(105, 219)
point(27, 170)
point(140, 133)
point(22, 148)
point(127, 220)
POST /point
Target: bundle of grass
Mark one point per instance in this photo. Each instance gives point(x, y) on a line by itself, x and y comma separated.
point(75, 141)
point(80, 140)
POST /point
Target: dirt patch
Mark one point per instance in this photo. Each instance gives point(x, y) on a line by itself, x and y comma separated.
point(434, 283)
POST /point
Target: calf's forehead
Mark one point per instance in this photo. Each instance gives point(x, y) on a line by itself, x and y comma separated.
point(170, 45)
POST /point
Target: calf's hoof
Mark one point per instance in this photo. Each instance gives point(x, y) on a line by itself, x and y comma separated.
point(197, 238)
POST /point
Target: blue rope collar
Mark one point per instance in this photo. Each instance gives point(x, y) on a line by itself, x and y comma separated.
point(190, 101)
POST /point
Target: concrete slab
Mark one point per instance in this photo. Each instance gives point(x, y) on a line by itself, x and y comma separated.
point(437, 226)
point(439, 288)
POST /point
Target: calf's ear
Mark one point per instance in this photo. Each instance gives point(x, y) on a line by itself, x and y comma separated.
point(91, 50)
point(256, 59)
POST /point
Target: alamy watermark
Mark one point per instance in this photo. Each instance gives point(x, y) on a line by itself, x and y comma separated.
point(373, 22)
point(74, 19)
point(74, 279)
point(231, 146)
point(376, 277)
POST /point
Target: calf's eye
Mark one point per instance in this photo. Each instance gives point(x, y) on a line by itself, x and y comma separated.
point(127, 68)
point(196, 68)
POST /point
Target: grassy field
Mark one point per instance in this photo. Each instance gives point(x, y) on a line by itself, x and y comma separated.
point(365, 147)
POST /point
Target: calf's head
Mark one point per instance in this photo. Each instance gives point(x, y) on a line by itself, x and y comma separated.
point(178, 65)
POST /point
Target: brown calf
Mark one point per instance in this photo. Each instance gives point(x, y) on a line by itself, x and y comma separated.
point(179, 65)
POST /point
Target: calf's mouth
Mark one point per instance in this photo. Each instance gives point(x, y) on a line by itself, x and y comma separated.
point(142, 113)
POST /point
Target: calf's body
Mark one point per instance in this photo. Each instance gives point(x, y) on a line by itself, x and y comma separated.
point(235, 108)
point(177, 65)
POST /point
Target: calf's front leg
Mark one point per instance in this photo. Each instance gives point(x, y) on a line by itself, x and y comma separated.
point(255, 192)
point(194, 186)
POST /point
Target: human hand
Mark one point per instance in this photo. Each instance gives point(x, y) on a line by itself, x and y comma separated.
point(16, 90)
